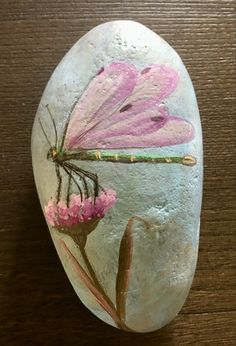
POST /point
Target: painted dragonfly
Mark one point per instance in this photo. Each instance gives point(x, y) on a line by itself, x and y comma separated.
point(122, 108)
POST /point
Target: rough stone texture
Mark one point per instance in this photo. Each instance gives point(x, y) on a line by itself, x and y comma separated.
point(169, 196)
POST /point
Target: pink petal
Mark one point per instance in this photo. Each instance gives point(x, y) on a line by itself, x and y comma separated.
point(104, 202)
point(61, 215)
point(88, 209)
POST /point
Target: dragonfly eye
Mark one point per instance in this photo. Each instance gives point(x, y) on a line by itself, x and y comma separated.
point(51, 154)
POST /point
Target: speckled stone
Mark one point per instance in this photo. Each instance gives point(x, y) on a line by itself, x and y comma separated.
point(157, 205)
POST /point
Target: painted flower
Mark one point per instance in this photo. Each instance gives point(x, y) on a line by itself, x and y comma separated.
point(78, 212)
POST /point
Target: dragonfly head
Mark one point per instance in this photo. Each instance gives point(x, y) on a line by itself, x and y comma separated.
point(52, 154)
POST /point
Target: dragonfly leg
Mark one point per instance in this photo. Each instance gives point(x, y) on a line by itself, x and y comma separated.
point(85, 184)
point(94, 178)
point(59, 180)
point(68, 188)
point(96, 186)
point(81, 176)
point(69, 172)
point(85, 174)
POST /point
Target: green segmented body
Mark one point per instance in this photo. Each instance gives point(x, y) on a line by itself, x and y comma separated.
point(95, 155)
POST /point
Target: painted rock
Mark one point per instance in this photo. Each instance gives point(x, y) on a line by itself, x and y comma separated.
point(117, 158)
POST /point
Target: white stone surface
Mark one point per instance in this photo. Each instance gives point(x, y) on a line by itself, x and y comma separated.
point(168, 196)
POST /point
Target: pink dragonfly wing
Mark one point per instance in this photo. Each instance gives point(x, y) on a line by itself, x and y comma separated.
point(155, 83)
point(132, 117)
point(152, 128)
point(103, 95)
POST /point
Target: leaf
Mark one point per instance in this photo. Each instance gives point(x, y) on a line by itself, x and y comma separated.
point(124, 265)
point(124, 268)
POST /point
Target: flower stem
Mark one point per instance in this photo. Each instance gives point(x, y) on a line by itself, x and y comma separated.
point(120, 324)
point(93, 275)
point(85, 278)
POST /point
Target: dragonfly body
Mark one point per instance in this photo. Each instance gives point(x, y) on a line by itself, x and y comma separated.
point(95, 155)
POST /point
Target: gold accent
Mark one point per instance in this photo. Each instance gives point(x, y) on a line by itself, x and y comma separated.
point(168, 160)
point(132, 158)
point(189, 160)
point(98, 155)
point(116, 157)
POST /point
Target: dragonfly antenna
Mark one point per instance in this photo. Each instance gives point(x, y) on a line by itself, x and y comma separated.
point(53, 122)
point(44, 132)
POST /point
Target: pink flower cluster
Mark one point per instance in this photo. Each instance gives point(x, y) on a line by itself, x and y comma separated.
point(60, 215)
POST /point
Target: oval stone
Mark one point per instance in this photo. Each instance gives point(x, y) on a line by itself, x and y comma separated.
point(117, 159)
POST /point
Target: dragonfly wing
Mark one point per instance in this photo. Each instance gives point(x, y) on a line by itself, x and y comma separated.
point(152, 128)
point(154, 84)
point(123, 109)
point(103, 96)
